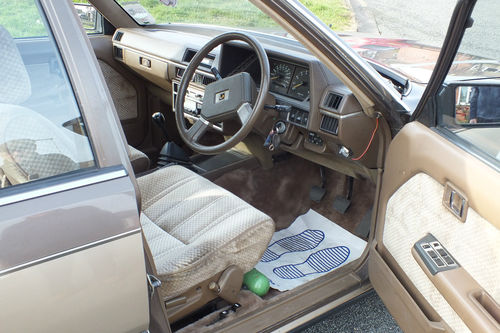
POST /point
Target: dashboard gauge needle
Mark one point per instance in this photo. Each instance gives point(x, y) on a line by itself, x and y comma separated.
point(297, 85)
point(274, 77)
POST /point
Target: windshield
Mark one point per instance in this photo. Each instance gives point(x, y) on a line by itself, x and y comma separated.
point(404, 35)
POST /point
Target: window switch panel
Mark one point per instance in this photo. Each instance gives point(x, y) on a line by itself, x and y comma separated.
point(434, 255)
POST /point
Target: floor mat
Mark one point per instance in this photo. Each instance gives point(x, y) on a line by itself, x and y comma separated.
point(310, 247)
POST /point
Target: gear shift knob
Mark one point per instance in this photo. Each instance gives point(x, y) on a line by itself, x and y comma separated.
point(159, 120)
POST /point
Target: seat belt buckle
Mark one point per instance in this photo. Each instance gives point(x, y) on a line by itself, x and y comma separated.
point(153, 283)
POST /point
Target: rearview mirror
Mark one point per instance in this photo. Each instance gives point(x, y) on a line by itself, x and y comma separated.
point(479, 104)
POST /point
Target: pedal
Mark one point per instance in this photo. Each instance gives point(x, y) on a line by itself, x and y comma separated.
point(341, 204)
point(317, 193)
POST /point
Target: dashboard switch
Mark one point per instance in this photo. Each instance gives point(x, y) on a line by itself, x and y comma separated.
point(345, 152)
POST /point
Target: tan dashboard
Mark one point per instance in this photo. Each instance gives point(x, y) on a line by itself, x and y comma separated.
point(325, 117)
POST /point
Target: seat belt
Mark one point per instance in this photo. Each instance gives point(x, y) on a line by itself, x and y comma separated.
point(158, 322)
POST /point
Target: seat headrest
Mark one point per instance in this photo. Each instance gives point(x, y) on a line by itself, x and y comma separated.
point(15, 87)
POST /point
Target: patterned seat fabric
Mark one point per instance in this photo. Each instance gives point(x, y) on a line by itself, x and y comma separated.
point(196, 229)
point(139, 160)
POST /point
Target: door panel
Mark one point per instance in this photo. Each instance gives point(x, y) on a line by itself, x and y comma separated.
point(419, 165)
point(71, 256)
point(86, 291)
point(127, 91)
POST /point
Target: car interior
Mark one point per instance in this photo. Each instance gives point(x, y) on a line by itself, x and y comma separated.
point(230, 140)
point(315, 113)
point(237, 197)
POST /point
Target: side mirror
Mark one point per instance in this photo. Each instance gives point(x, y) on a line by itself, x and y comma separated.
point(477, 105)
point(91, 19)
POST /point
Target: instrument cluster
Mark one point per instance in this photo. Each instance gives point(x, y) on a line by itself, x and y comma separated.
point(289, 79)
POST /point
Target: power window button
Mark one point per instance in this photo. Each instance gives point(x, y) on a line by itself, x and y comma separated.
point(432, 254)
point(442, 252)
point(439, 262)
point(448, 260)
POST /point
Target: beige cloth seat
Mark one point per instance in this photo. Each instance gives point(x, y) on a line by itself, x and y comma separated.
point(196, 229)
point(139, 160)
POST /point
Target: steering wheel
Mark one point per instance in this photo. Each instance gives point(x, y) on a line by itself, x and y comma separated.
point(227, 98)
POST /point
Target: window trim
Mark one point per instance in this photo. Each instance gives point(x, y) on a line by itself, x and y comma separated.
point(60, 183)
point(468, 147)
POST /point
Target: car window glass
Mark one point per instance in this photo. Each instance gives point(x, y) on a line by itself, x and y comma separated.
point(42, 133)
point(90, 18)
point(472, 111)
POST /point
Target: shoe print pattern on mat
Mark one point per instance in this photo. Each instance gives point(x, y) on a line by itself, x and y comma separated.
point(306, 240)
point(319, 262)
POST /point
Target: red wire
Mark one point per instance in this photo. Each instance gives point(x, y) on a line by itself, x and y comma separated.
point(369, 143)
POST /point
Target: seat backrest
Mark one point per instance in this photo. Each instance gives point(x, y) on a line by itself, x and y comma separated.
point(31, 146)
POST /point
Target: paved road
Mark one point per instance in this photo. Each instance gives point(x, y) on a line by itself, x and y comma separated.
point(427, 21)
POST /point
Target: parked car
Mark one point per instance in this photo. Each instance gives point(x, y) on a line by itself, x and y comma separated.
point(147, 168)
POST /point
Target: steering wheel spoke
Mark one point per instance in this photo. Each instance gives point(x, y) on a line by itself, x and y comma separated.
point(196, 131)
point(244, 112)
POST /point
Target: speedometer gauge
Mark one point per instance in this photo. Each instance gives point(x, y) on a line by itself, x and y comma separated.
point(281, 74)
point(300, 84)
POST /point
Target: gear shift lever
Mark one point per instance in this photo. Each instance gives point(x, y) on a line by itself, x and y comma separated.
point(171, 152)
point(159, 120)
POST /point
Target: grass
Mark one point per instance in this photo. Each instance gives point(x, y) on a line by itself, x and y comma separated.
point(241, 13)
point(21, 17)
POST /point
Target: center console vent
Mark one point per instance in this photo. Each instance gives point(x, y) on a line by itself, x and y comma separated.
point(207, 80)
point(329, 124)
point(197, 77)
point(118, 36)
point(332, 101)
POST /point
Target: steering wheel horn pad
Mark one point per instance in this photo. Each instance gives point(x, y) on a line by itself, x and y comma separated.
point(223, 98)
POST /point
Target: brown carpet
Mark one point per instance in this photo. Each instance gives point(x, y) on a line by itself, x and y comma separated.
point(283, 192)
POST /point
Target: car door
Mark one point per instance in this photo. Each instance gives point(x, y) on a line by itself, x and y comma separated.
point(128, 91)
point(435, 260)
point(71, 253)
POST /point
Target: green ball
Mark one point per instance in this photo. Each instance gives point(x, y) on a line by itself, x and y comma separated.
point(256, 282)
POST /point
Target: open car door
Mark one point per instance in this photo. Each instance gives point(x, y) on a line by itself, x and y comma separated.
point(435, 260)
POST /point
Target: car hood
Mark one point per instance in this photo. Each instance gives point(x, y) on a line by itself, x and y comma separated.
point(416, 61)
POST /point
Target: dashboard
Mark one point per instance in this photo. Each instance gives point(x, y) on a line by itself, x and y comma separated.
point(325, 116)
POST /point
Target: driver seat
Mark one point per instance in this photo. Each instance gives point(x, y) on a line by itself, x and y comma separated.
point(202, 237)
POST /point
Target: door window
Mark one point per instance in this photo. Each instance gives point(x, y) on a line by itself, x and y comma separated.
point(470, 102)
point(42, 133)
point(91, 19)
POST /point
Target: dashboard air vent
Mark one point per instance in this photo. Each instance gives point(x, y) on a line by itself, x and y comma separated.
point(118, 52)
point(207, 80)
point(118, 36)
point(330, 125)
point(333, 100)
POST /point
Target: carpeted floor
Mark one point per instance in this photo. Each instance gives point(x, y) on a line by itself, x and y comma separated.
point(283, 192)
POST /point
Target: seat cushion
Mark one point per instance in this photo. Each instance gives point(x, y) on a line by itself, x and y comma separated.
point(196, 229)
